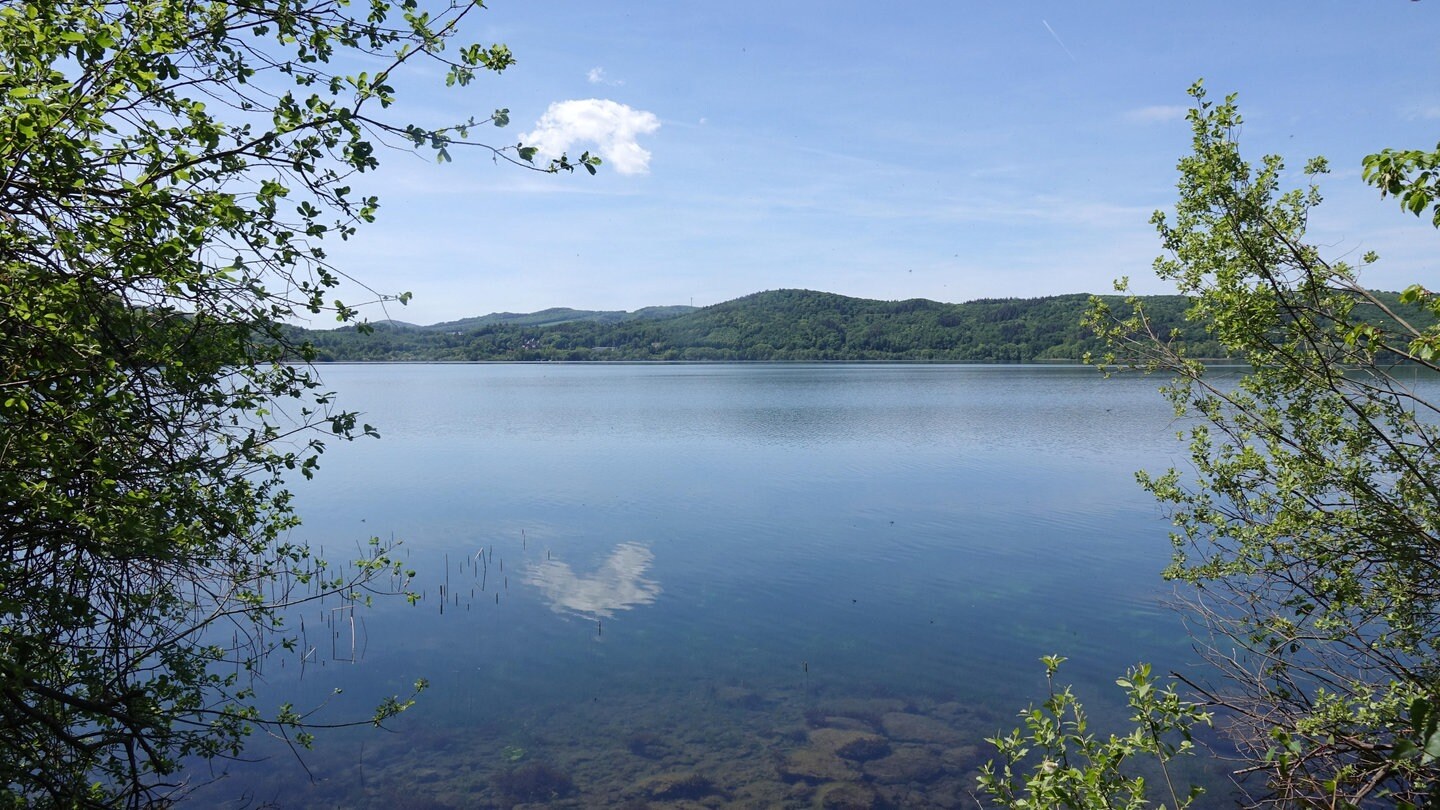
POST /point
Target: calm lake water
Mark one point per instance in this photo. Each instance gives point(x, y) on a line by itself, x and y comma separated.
point(690, 585)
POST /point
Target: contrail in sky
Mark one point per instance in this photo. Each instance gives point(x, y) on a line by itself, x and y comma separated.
point(1057, 39)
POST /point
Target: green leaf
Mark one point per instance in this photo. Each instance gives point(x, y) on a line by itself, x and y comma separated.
point(157, 399)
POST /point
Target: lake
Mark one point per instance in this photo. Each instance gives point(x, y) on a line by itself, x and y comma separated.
point(680, 583)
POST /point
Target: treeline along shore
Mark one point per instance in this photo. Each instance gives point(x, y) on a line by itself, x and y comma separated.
point(778, 325)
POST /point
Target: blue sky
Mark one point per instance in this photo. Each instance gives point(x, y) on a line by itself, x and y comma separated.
point(946, 150)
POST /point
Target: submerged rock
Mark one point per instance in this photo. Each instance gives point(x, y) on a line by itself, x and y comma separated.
point(833, 739)
point(535, 782)
point(909, 764)
point(864, 748)
point(797, 733)
point(963, 757)
point(846, 796)
point(953, 709)
point(817, 720)
point(918, 728)
point(674, 786)
point(816, 766)
point(834, 755)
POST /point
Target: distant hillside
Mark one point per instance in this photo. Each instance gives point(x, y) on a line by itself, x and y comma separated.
point(557, 315)
point(774, 325)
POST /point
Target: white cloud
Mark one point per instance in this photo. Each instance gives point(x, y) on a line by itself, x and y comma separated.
point(596, 75)
point(607, 128)
point(1157, 114)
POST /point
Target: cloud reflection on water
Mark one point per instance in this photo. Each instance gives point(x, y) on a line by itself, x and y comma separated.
point(618, 584)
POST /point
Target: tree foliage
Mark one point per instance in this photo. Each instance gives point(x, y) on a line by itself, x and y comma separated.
point(1310, 524)
point(1057, 761)
point(1412, 176)
point(169, 170)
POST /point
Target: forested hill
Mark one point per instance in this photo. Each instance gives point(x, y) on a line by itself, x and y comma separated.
point(775, 325)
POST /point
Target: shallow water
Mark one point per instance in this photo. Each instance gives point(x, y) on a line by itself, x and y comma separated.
point(684, 585)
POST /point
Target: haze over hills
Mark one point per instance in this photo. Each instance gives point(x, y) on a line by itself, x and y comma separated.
point(773, 325)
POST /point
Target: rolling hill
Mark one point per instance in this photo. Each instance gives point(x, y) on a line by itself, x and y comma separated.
point(775, 325)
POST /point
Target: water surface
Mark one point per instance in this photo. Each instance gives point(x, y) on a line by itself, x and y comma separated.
point(691, 569)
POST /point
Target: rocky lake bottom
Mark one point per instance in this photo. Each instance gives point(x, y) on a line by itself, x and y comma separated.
point(729, 747)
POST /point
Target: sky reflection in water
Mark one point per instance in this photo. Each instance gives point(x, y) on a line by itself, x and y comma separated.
point(619, 583)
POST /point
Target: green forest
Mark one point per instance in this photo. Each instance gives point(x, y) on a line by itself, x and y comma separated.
point(777, 325)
